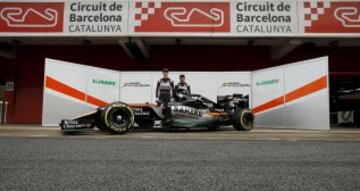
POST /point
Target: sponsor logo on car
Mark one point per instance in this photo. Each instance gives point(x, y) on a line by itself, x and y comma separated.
point(184, 110)
point(31, 17)
point(140, 111)
point(182, 16)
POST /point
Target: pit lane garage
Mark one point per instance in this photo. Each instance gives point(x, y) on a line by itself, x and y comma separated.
point(134, 47)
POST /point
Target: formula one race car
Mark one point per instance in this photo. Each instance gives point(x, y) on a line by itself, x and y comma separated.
point(187, 111)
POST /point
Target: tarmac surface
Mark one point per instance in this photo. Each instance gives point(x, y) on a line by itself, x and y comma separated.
point(38, 158)
point(223, 133)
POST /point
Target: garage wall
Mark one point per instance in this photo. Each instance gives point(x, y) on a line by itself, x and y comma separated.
point(28, 68)
point(2, 92)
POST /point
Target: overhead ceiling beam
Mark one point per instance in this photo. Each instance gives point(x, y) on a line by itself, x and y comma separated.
point(143, 48)
point(280, 51)
point(8, 50)
point(122, 43)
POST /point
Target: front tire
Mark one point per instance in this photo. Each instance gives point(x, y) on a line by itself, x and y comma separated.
point(243, 119)
point(118, 117)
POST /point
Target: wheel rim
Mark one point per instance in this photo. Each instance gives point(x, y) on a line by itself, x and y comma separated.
point(119, 118)
point(247, 120)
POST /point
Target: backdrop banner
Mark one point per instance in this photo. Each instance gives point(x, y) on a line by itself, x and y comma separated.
point(84, 88)
point(294, 96)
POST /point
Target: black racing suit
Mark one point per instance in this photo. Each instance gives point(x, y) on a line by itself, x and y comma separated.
point(164, 93)
point(182, 87)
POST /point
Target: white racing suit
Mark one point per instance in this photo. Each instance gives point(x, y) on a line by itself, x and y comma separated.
point(182, 87)
point(164, 93)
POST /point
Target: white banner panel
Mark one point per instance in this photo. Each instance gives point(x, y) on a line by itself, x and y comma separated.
point(103, 86)
point(268, 95)
point(204, 83)
point(137, 87)
point(73, 75)
point(234, 82)
point(301, 101)
point(64, 91)
point(73, 89)
point(307, 95)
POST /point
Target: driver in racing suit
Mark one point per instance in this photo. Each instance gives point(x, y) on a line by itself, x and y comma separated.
point(165, 92)
point(182, 87)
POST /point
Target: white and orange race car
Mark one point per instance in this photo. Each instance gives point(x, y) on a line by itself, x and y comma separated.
point(187, 111)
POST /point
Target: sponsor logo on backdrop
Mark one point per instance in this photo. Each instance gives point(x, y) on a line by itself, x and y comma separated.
point(264, 17)
point(267, 82)
point(31, 17)
point(135, 84)
point(96, 16)
point(182, 17)
point(233, 84)
point(331, 17)
point(104, 82)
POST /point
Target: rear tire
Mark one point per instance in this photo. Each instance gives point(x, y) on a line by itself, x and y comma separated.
point(243, 119)
point(118, 118)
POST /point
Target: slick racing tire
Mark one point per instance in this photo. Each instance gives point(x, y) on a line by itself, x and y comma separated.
point(243, 119)
point(118, 118)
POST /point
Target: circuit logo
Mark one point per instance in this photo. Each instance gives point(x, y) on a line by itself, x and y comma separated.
point(31, 17)
point(331, 17)
point(182, 17)
point(348, 16)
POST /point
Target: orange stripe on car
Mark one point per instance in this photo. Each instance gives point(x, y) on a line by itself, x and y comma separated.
point(217, 113)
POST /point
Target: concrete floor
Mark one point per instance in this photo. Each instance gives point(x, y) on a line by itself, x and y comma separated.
point(69, 163)
point(42, 158)
point(223, 133)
